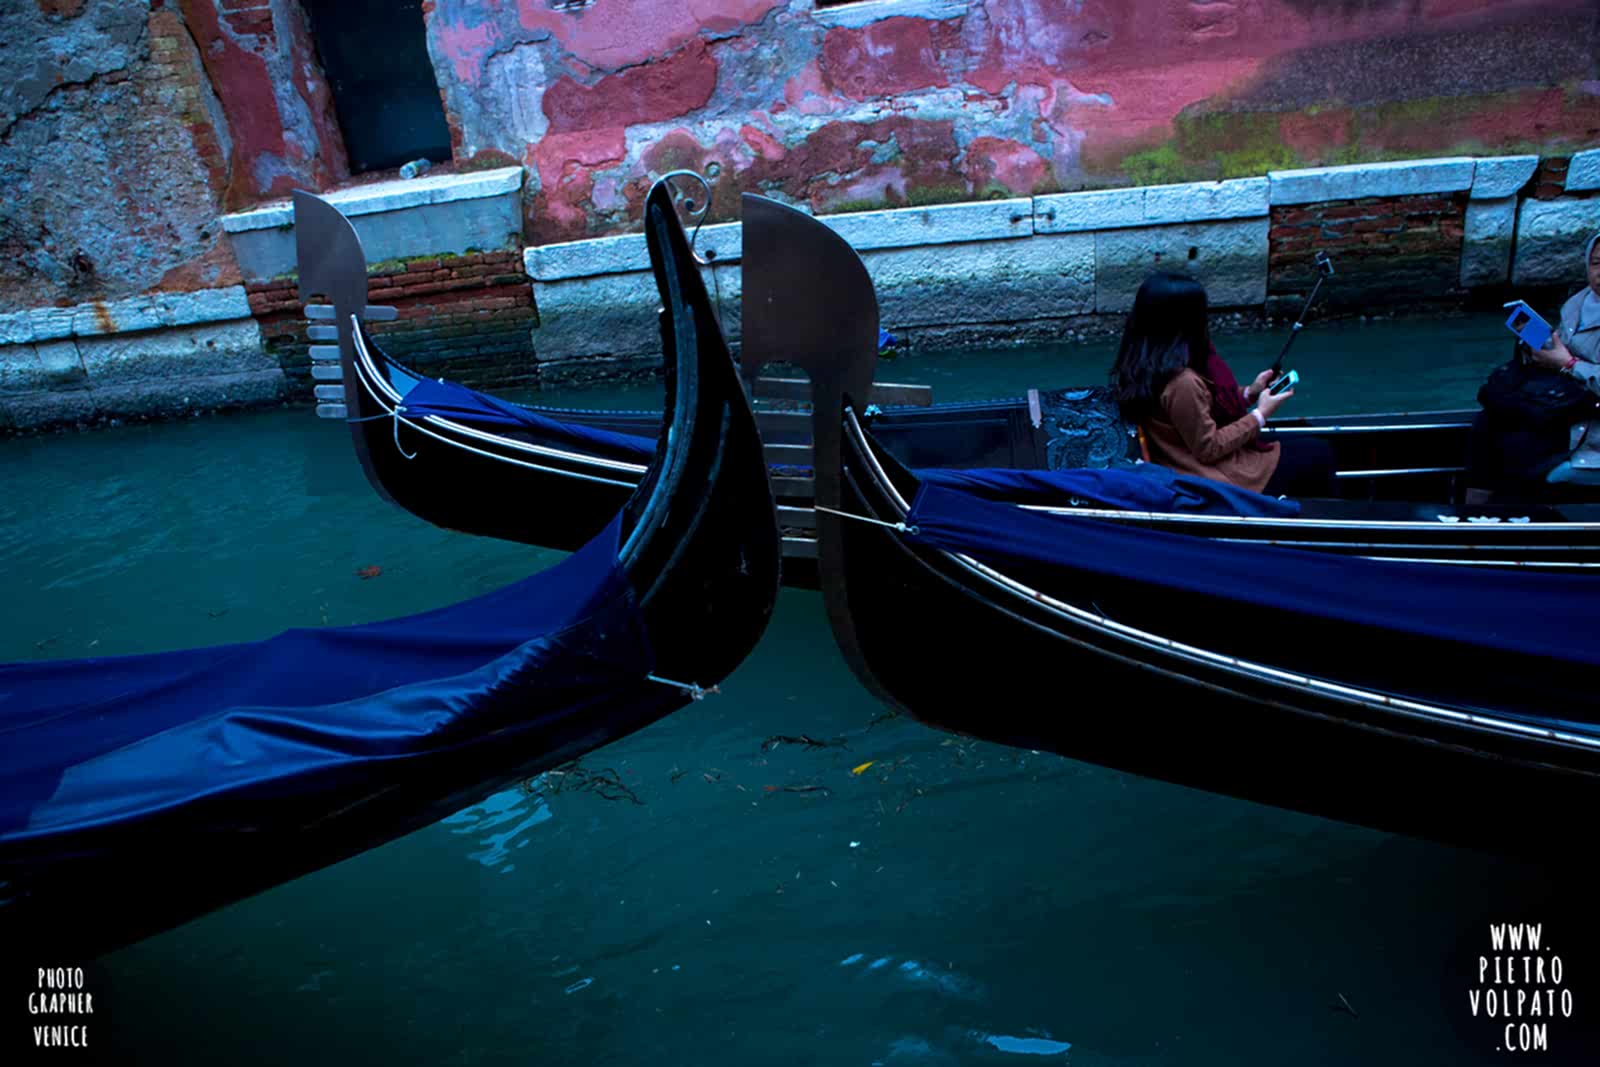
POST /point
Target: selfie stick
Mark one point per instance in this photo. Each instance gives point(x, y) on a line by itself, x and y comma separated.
point(1324, 271)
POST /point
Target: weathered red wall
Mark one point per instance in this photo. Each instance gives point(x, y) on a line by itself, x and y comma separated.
point(128, 126)
point(262, 64)
point(1009, 97)
point(113, 168)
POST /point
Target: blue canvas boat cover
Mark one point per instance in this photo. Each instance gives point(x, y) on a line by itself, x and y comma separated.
point(1511, 640)
point(117, 742)
point(1145, 487)
point(448, 400)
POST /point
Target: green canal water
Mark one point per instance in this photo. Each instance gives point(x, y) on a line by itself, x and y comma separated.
point(954, 903)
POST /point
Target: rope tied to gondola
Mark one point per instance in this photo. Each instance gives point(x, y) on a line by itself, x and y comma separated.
point(900, 526)
point(696, 692)
point(395, 415)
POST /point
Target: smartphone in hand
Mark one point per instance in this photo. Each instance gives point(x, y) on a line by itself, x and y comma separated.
point(1285, 383)
point(1527, 325)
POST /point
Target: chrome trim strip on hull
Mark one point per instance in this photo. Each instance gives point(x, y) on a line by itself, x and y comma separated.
point(372, 376)
point(1230, 664)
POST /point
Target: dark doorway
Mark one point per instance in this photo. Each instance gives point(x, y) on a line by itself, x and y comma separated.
point(375, 55)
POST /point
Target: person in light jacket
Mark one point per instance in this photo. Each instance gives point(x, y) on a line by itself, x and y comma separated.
point(1574, 349)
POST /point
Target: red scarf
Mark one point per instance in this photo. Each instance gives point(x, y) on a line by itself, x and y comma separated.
point(1228, 403)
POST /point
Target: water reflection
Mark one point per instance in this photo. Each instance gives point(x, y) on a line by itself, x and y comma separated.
point(525, 804)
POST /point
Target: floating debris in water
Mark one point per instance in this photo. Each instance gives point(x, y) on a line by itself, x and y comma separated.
point(369, 571)
point(607, 783)
point(582, 983)
point(822, 789)
point(862, 768)
point(803, 740)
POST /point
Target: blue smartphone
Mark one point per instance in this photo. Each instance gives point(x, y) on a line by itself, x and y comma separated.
point(1526, 324)
point(1284, 384)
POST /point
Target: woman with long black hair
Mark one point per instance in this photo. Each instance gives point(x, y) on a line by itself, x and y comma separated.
point(1197, 419)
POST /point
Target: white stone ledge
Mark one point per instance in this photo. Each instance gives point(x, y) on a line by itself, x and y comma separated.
point(148, 312)
point(1497, 177)
point(1583, 173)
point(863, 12)
point(387, 196)
point(1406, 177)
point(913, 227)
point(1101, 209)
point(622, 254)
point(1155, 205)
point(866, 231)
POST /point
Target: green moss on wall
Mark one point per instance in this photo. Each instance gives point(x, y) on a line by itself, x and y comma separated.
point(948, 193)
point(1156, 166)
point(1209, 144)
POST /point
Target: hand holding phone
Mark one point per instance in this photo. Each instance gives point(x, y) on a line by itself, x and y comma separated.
point(1527, 325)
point(1284, 384)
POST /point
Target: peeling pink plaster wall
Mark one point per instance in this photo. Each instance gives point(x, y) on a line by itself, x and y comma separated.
point(1010, 97)
point(262, 64)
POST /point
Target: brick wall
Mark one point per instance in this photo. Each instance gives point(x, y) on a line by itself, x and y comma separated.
point(1387, 251)
point(469, 318)
point(1550, 178)
point(175, 69)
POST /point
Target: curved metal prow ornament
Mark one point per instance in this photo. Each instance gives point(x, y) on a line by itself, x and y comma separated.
point(680, 199)
point(331, 265)
point(808, 301)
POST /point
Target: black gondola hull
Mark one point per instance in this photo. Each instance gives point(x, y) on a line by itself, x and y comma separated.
point(700, 555)
point(964, 653)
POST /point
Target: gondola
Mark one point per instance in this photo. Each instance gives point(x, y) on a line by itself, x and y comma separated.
point(137, 793)
point(1445, 703)
point(1068, 451)
point(442, 451)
